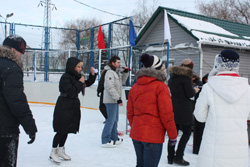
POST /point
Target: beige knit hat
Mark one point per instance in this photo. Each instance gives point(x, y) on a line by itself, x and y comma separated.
point(187, 63)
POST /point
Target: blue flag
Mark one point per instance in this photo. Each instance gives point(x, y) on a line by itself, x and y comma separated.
point(132, 34)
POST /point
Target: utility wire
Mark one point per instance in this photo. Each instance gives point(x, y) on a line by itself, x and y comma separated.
point(98, 9)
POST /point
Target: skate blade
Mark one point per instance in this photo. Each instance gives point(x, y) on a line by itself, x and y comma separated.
point(58, 163)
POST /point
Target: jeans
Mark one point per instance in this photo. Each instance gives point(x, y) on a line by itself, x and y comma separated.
point(110, 128)
point(8, 150)
point(148, 154)
point(186, 129)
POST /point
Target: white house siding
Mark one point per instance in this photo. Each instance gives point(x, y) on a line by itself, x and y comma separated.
point(155, 34)
point(209, 53)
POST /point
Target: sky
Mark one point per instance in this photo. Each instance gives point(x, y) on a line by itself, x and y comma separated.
point(28, 12)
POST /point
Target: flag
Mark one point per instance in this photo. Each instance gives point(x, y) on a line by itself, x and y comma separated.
point(167, 34)
point(100, 39)
point(132, 34)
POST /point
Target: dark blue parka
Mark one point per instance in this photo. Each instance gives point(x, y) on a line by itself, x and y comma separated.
point(67, 113)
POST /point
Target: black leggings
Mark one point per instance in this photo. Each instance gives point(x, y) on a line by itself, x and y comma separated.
point(186, 129)
point(59, 140)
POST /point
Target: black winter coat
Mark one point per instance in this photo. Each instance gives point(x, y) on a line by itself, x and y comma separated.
point(67, 113)
point(14, 108)
point(180, 84)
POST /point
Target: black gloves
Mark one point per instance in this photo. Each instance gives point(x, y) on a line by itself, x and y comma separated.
point(32, 138)
point(119, 101)
point(172, 142)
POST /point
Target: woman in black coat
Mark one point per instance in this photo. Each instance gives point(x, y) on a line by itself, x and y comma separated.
point(67, 113)
point(181, 88)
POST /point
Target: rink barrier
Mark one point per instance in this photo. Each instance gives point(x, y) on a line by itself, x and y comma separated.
point(48, 92)
point(53, 104)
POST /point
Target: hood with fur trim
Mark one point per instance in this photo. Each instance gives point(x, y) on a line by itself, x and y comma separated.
point(180, 71)
point(7, 53)
point(150, 72)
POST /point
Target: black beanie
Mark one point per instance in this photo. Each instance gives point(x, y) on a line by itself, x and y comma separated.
point(16, 42)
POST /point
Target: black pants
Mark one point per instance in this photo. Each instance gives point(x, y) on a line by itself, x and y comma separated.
point(186, 129)
point(198, 132)
point(59, 140)
point(8, 150)
point(102, 107)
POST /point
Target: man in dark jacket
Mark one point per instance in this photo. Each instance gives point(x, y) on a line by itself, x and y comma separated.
point(181, 88)
point(14, 108)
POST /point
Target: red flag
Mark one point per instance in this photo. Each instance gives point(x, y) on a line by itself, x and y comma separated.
point(100, 39)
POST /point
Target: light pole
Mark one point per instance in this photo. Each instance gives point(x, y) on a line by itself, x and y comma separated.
point(5, 26)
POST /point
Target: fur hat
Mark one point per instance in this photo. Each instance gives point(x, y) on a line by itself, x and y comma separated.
point(149, 61)
point(187, 63)
point(16, 42)
point(227, 60)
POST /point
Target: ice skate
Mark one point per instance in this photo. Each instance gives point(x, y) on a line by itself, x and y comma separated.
point(118, 142)
point(110, 144)
point(54, 156)
point(62, 154)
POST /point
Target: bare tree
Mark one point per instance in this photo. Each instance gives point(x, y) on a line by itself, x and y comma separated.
point(140, 16)
point(231, 10)
point(69, 36)
point(143, 12)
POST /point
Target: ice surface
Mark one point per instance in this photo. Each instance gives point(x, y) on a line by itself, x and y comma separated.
point(85, 147)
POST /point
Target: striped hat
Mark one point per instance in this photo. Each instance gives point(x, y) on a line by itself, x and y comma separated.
point(149, 61)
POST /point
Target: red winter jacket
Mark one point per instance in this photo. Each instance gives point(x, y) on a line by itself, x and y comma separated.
point(149, 108)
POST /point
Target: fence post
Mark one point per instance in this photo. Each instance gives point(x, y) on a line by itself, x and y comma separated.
point(77, 42)
point(46, 64)
point(34, 66)
point(12, 30)
point(110, 40)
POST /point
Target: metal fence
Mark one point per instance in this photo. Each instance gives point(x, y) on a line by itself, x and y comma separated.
point(50, 65)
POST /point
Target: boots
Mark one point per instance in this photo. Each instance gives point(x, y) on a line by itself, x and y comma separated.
point(54, 155)
point(62, 154)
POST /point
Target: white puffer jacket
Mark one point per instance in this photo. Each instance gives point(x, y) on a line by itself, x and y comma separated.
point(113, 85)
point(224, 104)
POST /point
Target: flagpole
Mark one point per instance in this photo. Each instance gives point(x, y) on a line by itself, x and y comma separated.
point(167, 54)
point(100, 61)
point(129, 66)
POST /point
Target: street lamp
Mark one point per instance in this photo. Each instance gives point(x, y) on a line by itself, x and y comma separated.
point(7, 16)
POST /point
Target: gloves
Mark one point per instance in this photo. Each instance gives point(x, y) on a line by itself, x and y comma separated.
point(119, 101)
point(98, 94)
point(32, 138)
point(172, 142)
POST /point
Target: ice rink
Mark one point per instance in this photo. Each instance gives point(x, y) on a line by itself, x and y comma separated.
point(85, 147)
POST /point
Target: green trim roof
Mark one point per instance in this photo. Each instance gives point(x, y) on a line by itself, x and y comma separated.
point(233, 27)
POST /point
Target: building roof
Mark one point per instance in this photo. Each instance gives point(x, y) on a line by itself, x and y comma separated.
point(205, 29)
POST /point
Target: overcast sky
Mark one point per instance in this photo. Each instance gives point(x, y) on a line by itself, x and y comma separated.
point(28, 12)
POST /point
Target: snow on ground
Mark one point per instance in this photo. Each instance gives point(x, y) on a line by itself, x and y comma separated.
point(85, 147)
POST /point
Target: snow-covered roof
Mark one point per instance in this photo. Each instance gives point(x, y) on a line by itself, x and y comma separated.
point(206, 30)
point(211, 33)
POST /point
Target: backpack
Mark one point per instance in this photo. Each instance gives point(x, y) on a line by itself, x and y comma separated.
point(100, 87)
